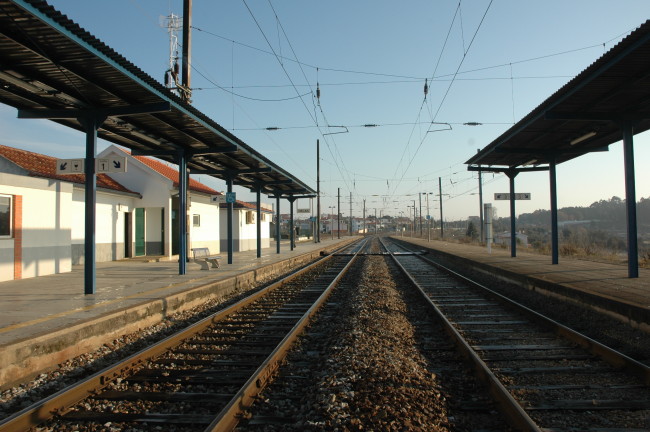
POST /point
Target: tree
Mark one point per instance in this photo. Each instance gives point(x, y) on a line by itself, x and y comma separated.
point(471, 231)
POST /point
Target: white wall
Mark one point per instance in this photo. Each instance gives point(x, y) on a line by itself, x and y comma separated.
point(156, 191)
point(46, 226)
point(244, 234)
point(109, 224)
point(207, 234)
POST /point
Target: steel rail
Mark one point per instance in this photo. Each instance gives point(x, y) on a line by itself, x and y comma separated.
point(607, 354)
point(62, 401)
point(228, 418)
point(509, 407)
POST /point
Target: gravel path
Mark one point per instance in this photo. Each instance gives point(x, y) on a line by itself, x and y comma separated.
point(365, 366)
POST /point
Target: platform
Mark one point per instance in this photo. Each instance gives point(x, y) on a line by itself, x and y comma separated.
point(598, 285)
point(48, 319)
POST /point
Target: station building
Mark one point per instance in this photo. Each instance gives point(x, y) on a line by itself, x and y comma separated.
point(42, 213)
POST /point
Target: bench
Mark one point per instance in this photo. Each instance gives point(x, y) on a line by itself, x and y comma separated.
point(202, 256)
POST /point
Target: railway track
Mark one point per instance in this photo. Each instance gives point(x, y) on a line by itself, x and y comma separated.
point(202, 377)
point(543, 375)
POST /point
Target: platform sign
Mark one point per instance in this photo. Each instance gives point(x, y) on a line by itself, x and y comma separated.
point(219, 199)
point(113, 164)
point(70, 166)
point(231, 197)
point(305, 210)
point(313, 218)
point(518, 196)
point(428, 217)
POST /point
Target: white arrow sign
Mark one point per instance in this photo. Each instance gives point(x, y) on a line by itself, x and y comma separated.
point(111, 164)
point(69, 166)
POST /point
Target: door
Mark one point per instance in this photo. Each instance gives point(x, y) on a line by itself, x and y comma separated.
point(175, 231)
point(128, 235)
point(139, 232)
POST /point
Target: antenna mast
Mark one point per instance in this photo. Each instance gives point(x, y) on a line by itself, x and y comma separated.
point(174, 23)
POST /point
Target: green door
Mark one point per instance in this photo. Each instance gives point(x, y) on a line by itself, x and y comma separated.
point(139, 232)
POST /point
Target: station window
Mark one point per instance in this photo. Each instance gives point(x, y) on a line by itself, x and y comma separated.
point(196, 220)
point(5, 216)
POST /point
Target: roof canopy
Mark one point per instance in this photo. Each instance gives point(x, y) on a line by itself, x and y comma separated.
point(586, 114)
point(47, 62)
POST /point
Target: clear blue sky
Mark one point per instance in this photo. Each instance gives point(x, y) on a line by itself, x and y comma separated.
point(493, 65)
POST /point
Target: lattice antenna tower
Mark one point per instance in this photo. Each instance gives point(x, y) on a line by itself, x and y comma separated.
point(173, 23)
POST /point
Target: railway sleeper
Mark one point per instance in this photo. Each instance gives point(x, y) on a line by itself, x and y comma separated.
point(555, 370)
point(99, 417)
point(589, 405)
point(510, 357)
point(116, 395)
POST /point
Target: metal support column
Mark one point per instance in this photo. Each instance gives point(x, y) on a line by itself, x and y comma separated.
point(420, 219)
point(291, 228)
point(415, 227)
point(258, 192)
point(229, 211)
point(90, 267)
point(630, 200)
point(278, 220)
point(318, 191)
point(350, 227)
point(480, 201)
point(513, 235)
point(338, 214)
point(442, 233)
point(182, 213)
point(91, 119)
point(554, 231)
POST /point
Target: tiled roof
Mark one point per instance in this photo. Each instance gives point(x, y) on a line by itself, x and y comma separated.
point(172, 174)
point(39, 165)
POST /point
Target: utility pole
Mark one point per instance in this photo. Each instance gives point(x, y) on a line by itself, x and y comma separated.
point(338, 214)
point(442, 233)
point(317, 191)
point(415, 226)
point(350, 214)
point(364, 217)
point(186, 91)
point(480, 198)
point(420, 197)
point(428, 220)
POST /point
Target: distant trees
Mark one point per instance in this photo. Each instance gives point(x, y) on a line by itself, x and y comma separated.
point(599, 227)
point(471, 232)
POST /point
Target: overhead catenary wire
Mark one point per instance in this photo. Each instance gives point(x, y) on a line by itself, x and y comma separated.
point(442, 101)
point(314, 119)
point(411, 78)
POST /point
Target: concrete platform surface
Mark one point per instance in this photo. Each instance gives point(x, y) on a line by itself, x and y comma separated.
point(48, 319)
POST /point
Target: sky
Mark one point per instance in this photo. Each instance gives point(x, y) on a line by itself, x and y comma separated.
point(259, 64)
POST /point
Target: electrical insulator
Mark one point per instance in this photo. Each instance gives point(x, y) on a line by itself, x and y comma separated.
point(167, 78)
point(176, 70)
point(426, 88)
point(317, 92)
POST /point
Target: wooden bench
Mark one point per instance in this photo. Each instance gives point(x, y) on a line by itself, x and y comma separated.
point(202, 256)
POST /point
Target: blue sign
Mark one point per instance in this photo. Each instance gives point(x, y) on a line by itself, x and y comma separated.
point(313, 218)
point(231, 197)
